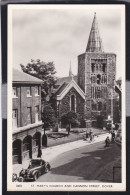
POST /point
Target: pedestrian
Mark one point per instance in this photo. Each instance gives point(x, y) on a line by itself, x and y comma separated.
point(113, 136)
point(116, 126)
point(39, 153)
point(87, 135)
point(107, 141)
point(90, 135)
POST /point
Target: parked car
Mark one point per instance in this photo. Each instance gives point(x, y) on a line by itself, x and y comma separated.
point(36, 168)
point(110, 126)
point(14, 177)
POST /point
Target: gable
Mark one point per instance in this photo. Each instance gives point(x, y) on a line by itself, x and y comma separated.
point(67, 88)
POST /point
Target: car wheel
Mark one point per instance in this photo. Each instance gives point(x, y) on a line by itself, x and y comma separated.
point(35, 177)
point(46, 169)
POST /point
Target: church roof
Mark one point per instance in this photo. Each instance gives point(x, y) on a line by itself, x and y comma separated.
point(94, 41)
point(21, 77)
point(60, 81)
point(64, 89)
point(61, 88)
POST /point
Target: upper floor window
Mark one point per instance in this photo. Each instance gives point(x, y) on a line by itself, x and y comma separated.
point(93, 67)
point(99, 106)
point(99, 65)
point(36, 113)
point(98, 79)
point(98, 93)
point(104, 68)
point(29, 92)
point(14, 118)
point(29, 115)
point(36, 90)
point(14, 92)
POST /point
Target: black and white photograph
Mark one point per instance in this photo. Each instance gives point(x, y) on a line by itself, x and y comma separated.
point(66, 98)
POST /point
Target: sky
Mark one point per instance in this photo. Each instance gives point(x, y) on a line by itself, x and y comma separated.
point(60, 35)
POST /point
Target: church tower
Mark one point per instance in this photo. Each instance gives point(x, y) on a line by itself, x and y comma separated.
point(96, 75)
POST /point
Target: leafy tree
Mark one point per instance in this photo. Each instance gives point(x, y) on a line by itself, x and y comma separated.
point(44, 71)
point(48, 116)
point(70, 118)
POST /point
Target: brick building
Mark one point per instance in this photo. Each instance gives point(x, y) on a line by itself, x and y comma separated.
point(26, 116)
point(95, 81)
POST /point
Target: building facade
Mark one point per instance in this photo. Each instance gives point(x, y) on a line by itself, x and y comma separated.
point(26, 116)
point(95, 78)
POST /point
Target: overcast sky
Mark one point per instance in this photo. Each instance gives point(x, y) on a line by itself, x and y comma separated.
point(60, 35)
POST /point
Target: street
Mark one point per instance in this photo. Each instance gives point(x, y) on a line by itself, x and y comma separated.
point(92, 163)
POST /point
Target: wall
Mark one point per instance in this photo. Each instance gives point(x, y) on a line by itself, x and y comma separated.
point(22, 102)
point(65, 103)
point(84, 79)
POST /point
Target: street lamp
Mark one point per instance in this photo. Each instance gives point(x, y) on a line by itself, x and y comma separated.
point(58, 107)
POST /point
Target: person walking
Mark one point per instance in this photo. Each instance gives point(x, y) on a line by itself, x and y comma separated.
point(87, 135)
point(107, 142)
point(112, 136)
point(90, 135)
point(39, 153)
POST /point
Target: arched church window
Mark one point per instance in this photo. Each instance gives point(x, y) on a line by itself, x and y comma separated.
point(73, 103)
point(104, 68)
point(92, 68)
point(98, 79)
point(96, 67)
point(99, 106)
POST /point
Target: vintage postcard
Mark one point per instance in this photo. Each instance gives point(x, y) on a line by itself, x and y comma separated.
point(66, 98)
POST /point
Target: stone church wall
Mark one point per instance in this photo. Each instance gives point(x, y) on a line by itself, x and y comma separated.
point(65, 103)
point(87, 80)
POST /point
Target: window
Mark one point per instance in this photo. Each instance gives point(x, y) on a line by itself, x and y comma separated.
point(98, 79)
point(73, 103)
point(29, 115)
point(36, 91)
point(94, 106)
point(14, 118)
point(14, 92)
point(36, 114)
point(99, 106)
point(92, 68)
point(104, 68)
point(98, 93)
point(99, 65)
point(29, 92)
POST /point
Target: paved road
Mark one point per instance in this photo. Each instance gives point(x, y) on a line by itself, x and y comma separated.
point(88, 163)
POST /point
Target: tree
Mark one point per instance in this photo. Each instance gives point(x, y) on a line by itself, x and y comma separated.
point(44, 71)
point(48, 116)
point(70, 118)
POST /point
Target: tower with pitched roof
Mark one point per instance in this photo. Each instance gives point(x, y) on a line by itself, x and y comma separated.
point(70, 70)
point(96, 75)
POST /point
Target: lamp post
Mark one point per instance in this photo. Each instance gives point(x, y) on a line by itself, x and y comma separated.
point(112, 91)
point(58, 107)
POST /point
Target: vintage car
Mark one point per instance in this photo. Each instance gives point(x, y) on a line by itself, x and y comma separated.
point(36, 168)
point(14, 177)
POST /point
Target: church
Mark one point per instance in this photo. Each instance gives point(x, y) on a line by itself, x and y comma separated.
point(92, 92)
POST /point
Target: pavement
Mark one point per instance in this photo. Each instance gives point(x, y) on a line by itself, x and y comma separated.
point(48, 154)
